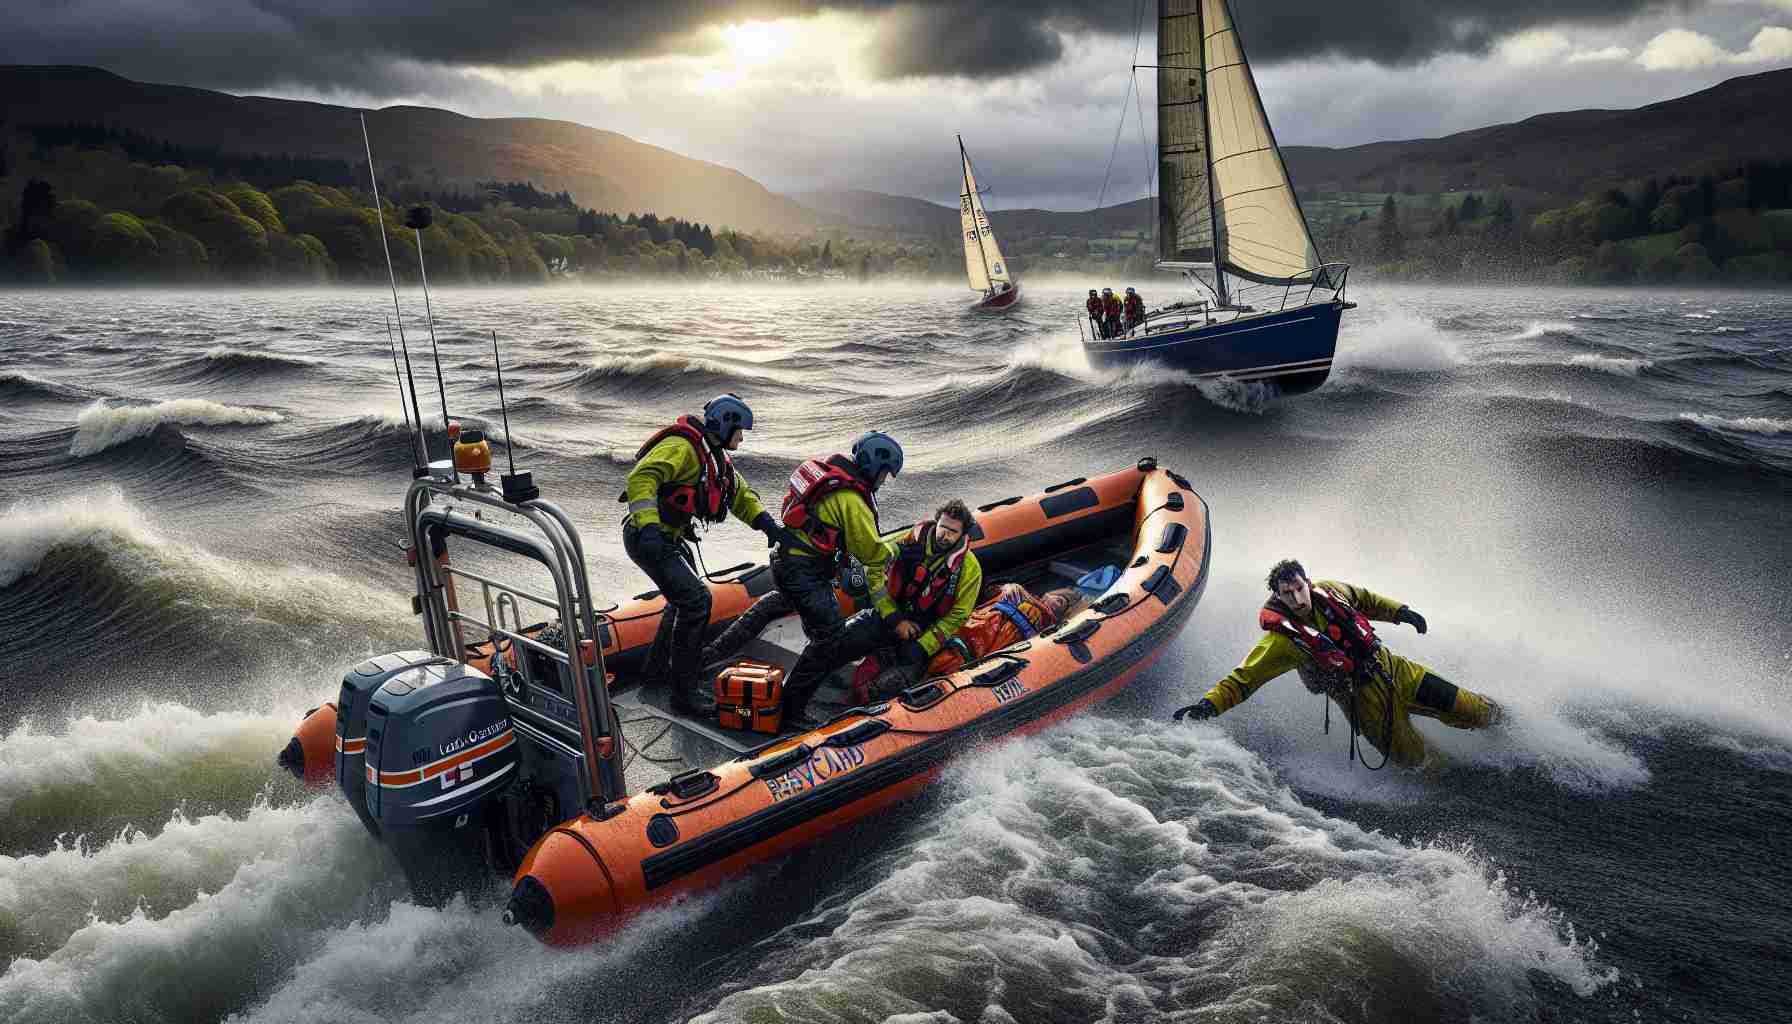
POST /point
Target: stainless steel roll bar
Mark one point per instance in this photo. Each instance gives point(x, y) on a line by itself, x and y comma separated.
point(559, 551)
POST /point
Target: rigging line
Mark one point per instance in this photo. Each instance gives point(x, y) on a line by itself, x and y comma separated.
point(1138, 34)
point(1145, 147)
point(1118, 128)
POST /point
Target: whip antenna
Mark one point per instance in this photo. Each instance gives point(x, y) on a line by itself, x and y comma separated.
point(518, 487)
point(391, 276)
point(419, 218)
point(409, 429)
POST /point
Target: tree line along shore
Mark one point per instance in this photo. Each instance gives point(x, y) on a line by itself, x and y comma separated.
point(85, 204)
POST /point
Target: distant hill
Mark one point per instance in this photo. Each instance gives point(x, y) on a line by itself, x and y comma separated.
point(876, 209)
point(903, 213)
point(601, 169)
point(1573, 152)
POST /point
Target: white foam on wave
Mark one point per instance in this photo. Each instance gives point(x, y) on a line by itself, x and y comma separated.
point(100, 426)
point(29, 531)
point(45, 898)
point(1543, 329)
point(1623, 367)
point(1244, 901)
point(206, 957)
point(1065, 356)
point(139, 765)
point(1398, 341)
point(104, 521)
point(1740, 424)
point(1766, 756)
point(459, 962)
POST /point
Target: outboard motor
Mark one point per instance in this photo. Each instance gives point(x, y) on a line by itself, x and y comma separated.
point(358, 686)
point(440, 750)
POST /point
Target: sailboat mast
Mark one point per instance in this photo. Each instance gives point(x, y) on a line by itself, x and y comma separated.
point(1213, 206)
point(970, 196)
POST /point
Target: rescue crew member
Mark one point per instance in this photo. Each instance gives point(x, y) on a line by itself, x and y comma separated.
point(1322, 631)
point(683, 474)
point(930, 588)
point(1134, 308)
point(1096, 312)
point(830, 513)
point(1111, 308)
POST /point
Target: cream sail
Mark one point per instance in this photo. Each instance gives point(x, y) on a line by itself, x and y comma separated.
point(1225, 199)
point(983, 262)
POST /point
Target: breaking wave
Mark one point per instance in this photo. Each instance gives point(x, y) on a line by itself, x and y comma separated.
point(100, 426)
point(1194, 858)
point(1740, 424)
point(18, 385)
point(1610, 364)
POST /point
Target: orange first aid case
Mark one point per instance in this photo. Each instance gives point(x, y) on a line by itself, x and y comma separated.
point(749, 695)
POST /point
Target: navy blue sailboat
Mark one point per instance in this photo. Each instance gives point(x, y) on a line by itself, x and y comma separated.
point(1229, 222)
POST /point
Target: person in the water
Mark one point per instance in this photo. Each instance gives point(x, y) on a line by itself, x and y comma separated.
point(1322, 631)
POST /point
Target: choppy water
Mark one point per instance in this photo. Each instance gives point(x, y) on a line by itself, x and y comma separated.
point(1585, 492)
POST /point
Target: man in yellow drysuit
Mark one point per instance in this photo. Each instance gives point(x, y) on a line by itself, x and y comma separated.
point(1322, 631)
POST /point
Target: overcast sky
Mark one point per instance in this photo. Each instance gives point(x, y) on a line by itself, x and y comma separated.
point(868, 93)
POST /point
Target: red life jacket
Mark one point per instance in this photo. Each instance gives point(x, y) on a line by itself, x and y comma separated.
point(812, 481)
point(1094, 305)
point(1342, 655)
point(1135, 306)
point(926, 593)
point(712, 496)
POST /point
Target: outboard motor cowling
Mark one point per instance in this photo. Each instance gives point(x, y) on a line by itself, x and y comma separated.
point(358, 686)
point(440, 750)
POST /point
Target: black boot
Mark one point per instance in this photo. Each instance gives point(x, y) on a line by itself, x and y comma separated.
point(693, 699)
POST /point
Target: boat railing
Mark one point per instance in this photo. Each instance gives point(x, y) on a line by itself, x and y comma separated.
point(437, 509)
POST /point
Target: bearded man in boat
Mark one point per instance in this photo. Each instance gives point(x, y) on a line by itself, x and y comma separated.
point(929, 588)
point(1322, 631)
point(683, 474)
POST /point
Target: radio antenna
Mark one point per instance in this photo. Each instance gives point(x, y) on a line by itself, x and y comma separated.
point(503, 406)
point(420, 218)
point(409, 429)
point(392, 276)
point(518, 487)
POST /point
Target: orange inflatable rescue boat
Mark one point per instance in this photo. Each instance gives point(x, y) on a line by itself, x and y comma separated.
point(510, 742)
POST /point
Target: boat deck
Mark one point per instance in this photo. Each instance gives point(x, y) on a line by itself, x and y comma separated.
point(660, 743)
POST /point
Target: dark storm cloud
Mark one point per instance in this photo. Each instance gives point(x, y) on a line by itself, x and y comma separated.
point(393, 48)
point(992, 38)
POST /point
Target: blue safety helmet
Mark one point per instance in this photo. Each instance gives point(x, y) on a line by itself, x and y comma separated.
point(725, 412)
point(876, 451)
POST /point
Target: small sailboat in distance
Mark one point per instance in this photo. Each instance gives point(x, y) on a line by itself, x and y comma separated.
point(1229, 221)
point(990, 275)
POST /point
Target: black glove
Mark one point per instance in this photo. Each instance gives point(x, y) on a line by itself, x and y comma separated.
point(775, 533)
point(912, 653)
point(1199, 711)
point(1416, 620)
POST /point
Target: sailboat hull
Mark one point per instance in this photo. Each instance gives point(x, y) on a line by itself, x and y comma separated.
point(999, 301)
point(1291, 349)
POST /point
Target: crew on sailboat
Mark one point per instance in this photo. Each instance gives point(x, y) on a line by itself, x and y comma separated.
point(1134, 308)
point(1095, 307)
point(683, 474)
point(1111, 308)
